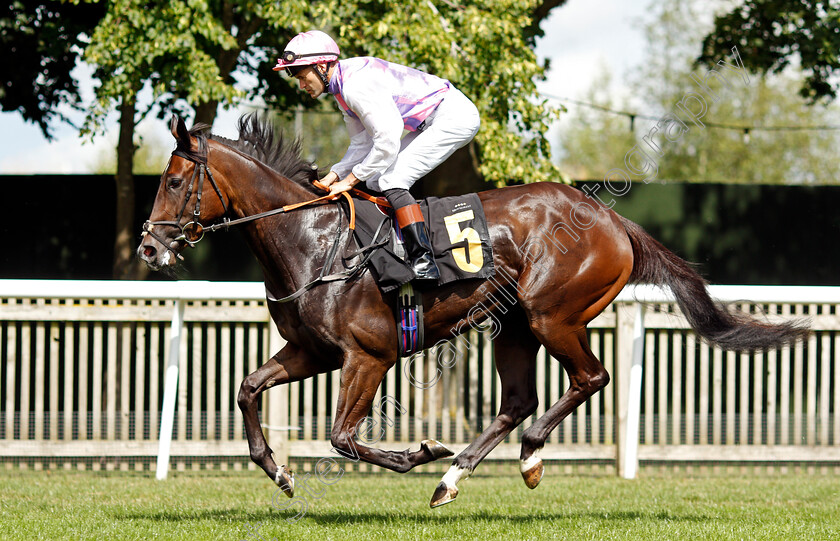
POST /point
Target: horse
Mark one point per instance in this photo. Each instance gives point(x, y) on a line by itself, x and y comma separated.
point(559, 287)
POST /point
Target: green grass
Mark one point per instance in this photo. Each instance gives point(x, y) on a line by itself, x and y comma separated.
point(206, 505)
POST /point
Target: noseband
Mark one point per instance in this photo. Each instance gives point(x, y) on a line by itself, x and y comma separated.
point(192, 231)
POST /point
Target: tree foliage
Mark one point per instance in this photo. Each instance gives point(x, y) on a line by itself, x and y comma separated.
point(727, 147)
point(176, 48)
point(775, 34)
point(41, 42)
point(160, 44)
point(198, 54)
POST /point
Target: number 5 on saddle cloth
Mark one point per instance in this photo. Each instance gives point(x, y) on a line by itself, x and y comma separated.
point(460, 241)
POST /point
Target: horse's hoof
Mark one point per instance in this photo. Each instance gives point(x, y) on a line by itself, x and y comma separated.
point(532, 471)
point(443, 495)
point(436, 448)
point(285, 480)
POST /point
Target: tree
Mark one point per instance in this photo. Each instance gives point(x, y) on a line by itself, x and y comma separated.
point(192, 51)
point(773, 35)
point(481, 46)
point(41, 42)
point(708, 152)
point(156, 44)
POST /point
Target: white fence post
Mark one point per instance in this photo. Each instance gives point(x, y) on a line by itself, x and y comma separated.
point(623, 355)
point(630, 335)
point(170, 390)
point(634, 397)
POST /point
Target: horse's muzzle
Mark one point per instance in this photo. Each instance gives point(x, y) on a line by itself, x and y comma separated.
point(155, 253)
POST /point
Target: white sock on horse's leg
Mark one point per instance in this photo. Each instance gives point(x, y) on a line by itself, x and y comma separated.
point(447, 489)
point(455, 474)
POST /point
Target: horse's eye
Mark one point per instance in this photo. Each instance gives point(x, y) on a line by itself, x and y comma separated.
point(175, 183)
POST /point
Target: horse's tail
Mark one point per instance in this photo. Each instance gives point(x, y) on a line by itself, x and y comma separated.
point(655, 264)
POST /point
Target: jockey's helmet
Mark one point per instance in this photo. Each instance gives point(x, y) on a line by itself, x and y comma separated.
point(307, 49)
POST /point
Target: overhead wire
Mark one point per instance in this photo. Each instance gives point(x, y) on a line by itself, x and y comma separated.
point(717, 125)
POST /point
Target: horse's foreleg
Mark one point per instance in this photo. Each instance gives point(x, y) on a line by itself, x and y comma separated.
point(515, 352)
point(587, 376)
point(359, 382)
point(290, 364)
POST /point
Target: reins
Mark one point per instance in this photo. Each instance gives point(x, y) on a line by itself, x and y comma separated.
point(226, 223)
point(192, 232)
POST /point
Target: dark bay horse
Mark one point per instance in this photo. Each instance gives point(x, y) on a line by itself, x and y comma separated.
point(567, 258)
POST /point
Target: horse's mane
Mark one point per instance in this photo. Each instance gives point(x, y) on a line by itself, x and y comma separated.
point(260, 139)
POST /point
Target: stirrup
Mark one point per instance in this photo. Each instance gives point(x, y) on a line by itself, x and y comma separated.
point(409, 321)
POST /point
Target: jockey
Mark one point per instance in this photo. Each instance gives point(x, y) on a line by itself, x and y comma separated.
point(379, 99)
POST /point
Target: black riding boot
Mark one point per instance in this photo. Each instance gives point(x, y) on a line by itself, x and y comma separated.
point(414, 234)
point(419, 250)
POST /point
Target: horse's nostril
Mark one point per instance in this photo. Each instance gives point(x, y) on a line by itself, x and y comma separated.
point(149, 251)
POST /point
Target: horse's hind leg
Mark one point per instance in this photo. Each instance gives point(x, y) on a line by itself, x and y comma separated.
point(516, 350)
point(288, 365)
point(587, 376)
point(361, 376)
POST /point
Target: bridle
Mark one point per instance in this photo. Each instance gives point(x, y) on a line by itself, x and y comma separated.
point(192, 231)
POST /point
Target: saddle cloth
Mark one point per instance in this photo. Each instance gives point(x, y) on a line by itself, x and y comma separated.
point(458, 232)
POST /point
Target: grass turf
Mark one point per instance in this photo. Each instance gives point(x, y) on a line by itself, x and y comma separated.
point(206, 505)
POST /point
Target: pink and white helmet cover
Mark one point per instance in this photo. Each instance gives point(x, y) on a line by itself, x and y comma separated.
point(308, 48)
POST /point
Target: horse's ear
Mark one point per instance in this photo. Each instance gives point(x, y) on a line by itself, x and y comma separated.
point(180, 132)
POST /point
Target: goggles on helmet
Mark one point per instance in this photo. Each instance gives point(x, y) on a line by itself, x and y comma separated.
point(291, 56)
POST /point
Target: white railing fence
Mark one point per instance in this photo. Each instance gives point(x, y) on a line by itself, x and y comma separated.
point(88, 372)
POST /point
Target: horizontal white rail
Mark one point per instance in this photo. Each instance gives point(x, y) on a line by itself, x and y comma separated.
point(113, 289)
point(204, 290)
point(739, 293)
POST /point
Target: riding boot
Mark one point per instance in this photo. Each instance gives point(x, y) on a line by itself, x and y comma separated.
point(419, 250)
point(414, 234)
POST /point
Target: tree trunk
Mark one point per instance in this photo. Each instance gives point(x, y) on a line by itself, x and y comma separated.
point(205, 113)
point(126, 265)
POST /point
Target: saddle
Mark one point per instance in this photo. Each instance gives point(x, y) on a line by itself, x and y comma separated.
point(457, 230)
point(460, 244)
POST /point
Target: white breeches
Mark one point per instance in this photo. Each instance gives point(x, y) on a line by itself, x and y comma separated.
point(452, 125)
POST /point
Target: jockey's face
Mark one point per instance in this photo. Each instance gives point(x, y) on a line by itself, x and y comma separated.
point(310, 82)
